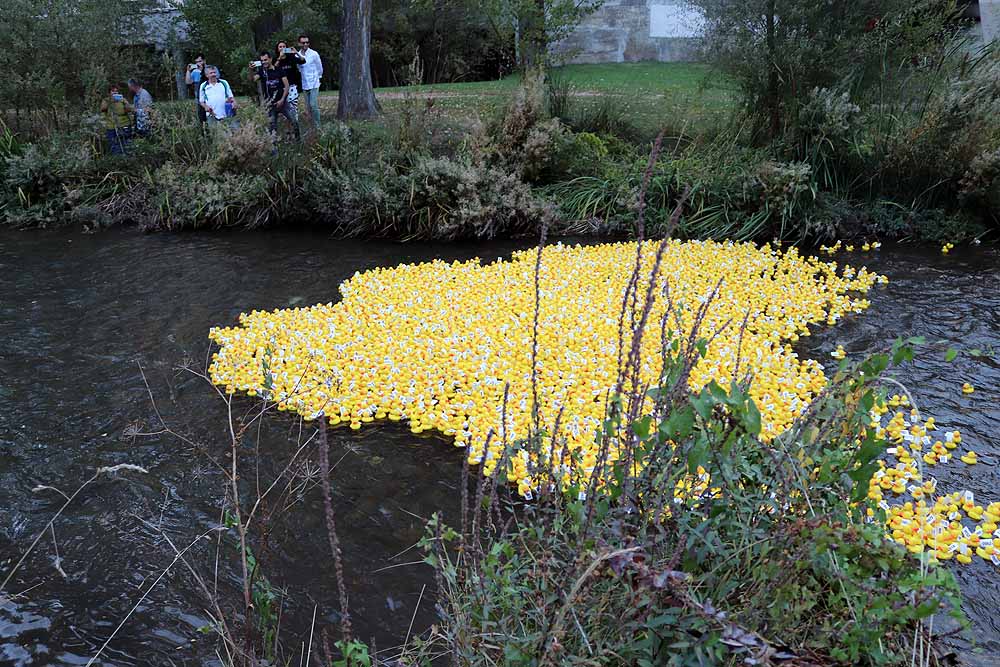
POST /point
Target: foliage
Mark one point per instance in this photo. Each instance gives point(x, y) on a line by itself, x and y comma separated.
point(192, 197)
point(776, 49)
point(771, 560)
point(83, 46)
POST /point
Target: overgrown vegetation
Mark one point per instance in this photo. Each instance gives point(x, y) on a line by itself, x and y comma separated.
point(772, 561)
point(911, 154)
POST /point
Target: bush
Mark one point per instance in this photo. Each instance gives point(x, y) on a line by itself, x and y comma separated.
point(455, 199)
point(245, 150)
point(706, 546)
point(183, 197)
point(439, 198)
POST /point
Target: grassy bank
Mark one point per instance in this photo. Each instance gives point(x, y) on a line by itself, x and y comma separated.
point(507, 157)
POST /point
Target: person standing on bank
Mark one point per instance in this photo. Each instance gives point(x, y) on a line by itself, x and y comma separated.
point(117, 124)
point(288, 60)
point(276, 88)
point(142, 101)
point(216, 97)
point(311, 71)
point(194, 76)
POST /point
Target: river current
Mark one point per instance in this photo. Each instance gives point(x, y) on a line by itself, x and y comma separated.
point(92, 327)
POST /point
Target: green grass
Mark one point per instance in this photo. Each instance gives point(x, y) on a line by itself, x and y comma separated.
point(656, 94)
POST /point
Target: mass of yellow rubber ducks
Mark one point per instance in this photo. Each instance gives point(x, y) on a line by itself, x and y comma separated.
point(938, 526)
point(447, 346)
point(436, 344)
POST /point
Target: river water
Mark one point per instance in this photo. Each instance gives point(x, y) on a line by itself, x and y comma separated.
point(80, 315)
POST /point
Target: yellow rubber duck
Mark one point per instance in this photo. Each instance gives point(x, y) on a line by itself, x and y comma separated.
point(967, 388)
point(839, 353)
point(970, 458)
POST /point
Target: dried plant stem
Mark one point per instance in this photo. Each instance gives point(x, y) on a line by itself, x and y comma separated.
point(331, 530)
point(179, 556)
point(49, 525)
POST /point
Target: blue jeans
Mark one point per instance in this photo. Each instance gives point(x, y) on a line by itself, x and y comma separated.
point(312, 100)
point(118, 139)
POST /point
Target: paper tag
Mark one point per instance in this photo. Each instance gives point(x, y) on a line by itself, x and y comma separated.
point(885, 506)
point(996, 561)
point(891, 450)
point(966, 533)
point(528, 496)
point(968, 497)
point(583, 496)
point(905, 522)
point(986, 542)
point(955, 516)
point(953, 547)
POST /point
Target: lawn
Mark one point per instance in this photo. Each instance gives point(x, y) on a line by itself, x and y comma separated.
point(656, 94)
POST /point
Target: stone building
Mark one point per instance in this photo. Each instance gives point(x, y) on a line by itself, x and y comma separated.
point(635, 30)
point(667, 30)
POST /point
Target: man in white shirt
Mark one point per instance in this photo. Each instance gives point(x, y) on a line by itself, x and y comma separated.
point(312, 72)
point(216, 97)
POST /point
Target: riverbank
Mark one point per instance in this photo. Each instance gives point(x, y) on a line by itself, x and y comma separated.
point(505, 159)
point(82, 309)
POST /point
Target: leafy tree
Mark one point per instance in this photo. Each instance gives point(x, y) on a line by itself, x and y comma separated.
point(779, 50)
point(63, 53)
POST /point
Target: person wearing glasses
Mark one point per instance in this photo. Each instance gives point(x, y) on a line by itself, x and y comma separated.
point(311, 71)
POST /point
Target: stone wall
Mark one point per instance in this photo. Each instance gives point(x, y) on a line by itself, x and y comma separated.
point(634, 30)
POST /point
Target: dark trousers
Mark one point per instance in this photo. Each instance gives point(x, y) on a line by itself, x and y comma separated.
point(118, 140)
point(288, 111)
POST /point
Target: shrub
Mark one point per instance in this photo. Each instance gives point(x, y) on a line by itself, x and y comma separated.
point(245, 150)
point(183, 197)
point(607, 115)
point(354, 203)
point(707, 546)
point(456, 199)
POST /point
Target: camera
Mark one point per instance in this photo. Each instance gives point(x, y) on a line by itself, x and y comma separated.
point(192, 66)
point(256, 63)
point(118, 97)
point(288, 50)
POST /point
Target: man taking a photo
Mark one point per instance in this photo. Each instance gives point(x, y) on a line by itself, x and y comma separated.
point(275, 93)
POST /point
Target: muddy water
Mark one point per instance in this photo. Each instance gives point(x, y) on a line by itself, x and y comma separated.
point(79, 314)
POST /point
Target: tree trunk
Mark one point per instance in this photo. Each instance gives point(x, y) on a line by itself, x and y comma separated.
point(357, 98)
point(533, 40)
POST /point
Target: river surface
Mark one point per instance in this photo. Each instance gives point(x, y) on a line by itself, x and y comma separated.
point(80, 315)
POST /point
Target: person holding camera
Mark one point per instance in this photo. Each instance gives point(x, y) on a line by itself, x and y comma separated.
point(117, 123)
point(275, 92)
point(216, 97)
point(288, 61)
point(194, 76)
point(311, 71)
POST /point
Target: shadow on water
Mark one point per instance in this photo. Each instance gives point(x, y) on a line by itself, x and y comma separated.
point(78, 312)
